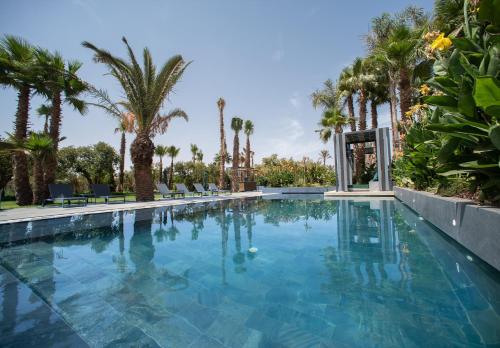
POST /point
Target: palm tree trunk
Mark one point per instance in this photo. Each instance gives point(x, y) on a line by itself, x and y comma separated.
point(222, 151)
point(121, 175)
point(38, 188)
point(161, 169)
point(360, 150)
point(171, 175)
point(374, 113)
point(350, 109)
point(142, 151)
point(247, 159)
point(236, 164)
point(54, 132)
point(24, 195)
point(394, 114)
point(404, 92)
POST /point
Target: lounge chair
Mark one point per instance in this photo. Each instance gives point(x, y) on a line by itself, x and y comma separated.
point(215, 190)
point(201, 190)
point(62, 193)
point(103, 191)
point(165, 192)
point(184, 189)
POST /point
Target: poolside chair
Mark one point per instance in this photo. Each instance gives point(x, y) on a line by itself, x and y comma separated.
point(103, 191)
point(62, 193)
point(184, 189)
point(165, 192)
point(201, 190)
point(215, 190)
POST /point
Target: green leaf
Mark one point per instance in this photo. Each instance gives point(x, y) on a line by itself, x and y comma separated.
point(487, 95)
point(466, 104)
point(477, 165)
point(464, 44)
point(489, 11)
point(494, 134)
point(444, 101)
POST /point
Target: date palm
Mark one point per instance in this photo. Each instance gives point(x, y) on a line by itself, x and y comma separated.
point(236, 126)
point(221, 104)
point(324, 155)
point(146, 89)
point(325, 98)
point(60, 85)
point(346, 94)
point(194, 151)
point(173, 152)
point(248, 129)
point(17, 70)
point(161, 151)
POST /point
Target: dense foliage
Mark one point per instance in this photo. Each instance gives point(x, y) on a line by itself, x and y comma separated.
point(283, 172)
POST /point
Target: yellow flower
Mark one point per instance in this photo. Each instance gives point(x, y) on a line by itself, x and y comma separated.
point(441, 43)
point(425, 90)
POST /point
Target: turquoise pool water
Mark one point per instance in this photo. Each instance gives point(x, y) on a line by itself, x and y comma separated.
point(326, 273)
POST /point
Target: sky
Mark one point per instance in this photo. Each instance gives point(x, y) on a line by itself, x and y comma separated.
point(264, 57)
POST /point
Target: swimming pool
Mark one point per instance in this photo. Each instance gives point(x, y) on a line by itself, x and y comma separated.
point(323, 273)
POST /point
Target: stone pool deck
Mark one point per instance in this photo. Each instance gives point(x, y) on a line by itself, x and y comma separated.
point(39, 213)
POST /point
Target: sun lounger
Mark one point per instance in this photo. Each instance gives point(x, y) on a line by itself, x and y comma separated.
point(215, 190)
point(165, 192)
point(103, 191)
point(62, 193)
point(184, 189)
point(201, 190)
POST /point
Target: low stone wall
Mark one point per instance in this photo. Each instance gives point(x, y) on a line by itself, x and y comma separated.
point(475, 227)
point(295, 190)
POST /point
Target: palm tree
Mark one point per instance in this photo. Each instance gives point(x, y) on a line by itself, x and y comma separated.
point(173, 152)
point(199, 156)
point(161, 151)
point(248, 130)
point(17, 70)
point(324, 155)
point(39, 146)
point(221, 104)
point(194, 151)
point(378, 89)
point(45, 110)
point(332, 122)
point(325, 98)
point(146, 90)
point(346, 93)
point(126, 122)
point(61, 85)
point(236, 126)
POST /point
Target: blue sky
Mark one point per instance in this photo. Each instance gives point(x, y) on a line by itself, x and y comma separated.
point(264, 57)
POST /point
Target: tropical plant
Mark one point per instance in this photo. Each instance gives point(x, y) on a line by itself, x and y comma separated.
point(60, 85)
point(5, 165)
point(332, 121)
point(221, 104)
point(17, 70)
point(199, 156)
point(194, 150)
point(236, 126)
point(172, 152)
point(467, 102)
point(346, 91)
point(324, 155)
point(248, 129)
point(45, 111)
point(161, 151)
point(39, 146)
point(146, 90)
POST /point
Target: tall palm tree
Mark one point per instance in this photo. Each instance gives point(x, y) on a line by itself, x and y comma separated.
point(173, 152)
point(17, 70)
point(325, 98)
point(248, 130)
point(194, 151)
point(45, 110)
point(199, 156)
point(221, 104)
point(161, 151)
point(324, 155)
point(61, 85)
point(346, 93)
point(236, 126)
point(378, 89)
point(332, 121)
point(125, 120)
point(146, 90)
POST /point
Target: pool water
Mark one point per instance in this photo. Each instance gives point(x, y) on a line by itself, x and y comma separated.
point(329, 273)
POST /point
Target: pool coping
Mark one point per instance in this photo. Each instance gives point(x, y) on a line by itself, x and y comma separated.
point(473, 226)
point(38, 213)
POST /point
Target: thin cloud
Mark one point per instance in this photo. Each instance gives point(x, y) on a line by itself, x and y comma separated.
point(278, 55)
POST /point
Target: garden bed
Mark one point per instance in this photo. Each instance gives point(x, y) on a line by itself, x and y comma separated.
point(475, 227)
